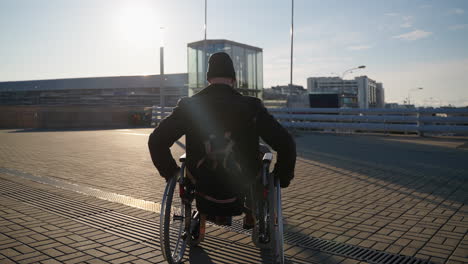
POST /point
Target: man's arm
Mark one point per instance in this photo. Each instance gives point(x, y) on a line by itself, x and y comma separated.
point(164, 135)
point(281, 141)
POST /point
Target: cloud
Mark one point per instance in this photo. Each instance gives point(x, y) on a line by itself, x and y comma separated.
point(425, 6)
point(407, 22)
point(359, 47)
point(392, 14)
point(414, 35)
point(457, 11)
point(458, 27)
point(406, 25)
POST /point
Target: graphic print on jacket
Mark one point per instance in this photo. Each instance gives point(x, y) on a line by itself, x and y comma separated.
point(219, 152)
point(219, 169)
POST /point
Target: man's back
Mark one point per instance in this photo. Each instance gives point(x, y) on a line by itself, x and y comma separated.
point(222, 130)
point(222, 139)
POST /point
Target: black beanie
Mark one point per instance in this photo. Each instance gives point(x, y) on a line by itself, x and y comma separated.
point(220, 65)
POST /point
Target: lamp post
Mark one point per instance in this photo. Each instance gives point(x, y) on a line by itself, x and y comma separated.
point(409, 93)
point(205, 59)
point(161, 69)
point(342, 80)
point(205, 27)
point(349, 70)
point(292, 46)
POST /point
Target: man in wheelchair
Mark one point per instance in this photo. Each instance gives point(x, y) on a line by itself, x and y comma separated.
point(222, 131)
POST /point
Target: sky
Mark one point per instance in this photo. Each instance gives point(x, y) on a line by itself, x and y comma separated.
point(405, 44)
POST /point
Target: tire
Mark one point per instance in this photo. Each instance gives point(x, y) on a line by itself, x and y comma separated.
point(261, 236)
point(173, 221)
point(260, 227)
point(276, 221)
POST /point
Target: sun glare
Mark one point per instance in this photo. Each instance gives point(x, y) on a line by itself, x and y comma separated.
point(137, 22)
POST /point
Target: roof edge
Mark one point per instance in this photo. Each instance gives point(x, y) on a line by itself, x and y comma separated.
point(94, 77)
point(209, 41)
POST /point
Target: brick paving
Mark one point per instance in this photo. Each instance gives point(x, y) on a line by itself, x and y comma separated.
point(398, 195)
point(31, 235)
point(32, 232)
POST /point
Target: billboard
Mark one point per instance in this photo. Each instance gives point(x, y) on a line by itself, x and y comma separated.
point(324, 101)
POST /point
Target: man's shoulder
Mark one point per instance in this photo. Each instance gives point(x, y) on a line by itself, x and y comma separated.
point(183, 101)
point(230, 98)
point(253, 100)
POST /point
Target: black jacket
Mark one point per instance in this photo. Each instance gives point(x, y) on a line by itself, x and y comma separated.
point(222, 130)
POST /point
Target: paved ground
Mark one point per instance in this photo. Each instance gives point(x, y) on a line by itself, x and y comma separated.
point(399, 195)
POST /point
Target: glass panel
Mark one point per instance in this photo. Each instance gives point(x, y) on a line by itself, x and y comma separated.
point(228, 49)
point(218, 47)
point(240, 66)
point(200, 68)
point(251, 83)
point(192, 67)
point(260, 72)
point(248, 64)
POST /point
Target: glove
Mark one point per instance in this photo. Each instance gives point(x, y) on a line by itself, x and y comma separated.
point(284, 181)
point(169, 176)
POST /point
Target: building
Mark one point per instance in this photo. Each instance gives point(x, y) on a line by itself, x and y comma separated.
point(362, 92)
point(143, 90)
point(248, 63)
point(289, 89)
point(282, 92)
point(380, 95)
point(121, 90)
point(399, 106)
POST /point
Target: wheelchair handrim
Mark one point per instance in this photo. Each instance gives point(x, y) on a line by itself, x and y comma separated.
point(279, 254)
point(276, 219)
point(173, 252)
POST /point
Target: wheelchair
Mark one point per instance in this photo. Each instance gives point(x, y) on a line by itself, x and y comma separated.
point(181, 225)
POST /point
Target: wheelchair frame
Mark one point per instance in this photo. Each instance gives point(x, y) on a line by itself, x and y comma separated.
point(180, 224)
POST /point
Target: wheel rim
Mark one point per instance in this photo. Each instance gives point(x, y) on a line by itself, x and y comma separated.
point(279, 224)
point(276, 223)
point(172, 223)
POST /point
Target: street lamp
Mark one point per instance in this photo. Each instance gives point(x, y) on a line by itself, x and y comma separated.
point(292, 47)
point(342, 80)
point(409, 94)
point(205, 59)
point(161, 69)
point(349, 70)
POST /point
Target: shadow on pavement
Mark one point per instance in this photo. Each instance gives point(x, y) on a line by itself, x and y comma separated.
point(434, 170)
point(199, 255)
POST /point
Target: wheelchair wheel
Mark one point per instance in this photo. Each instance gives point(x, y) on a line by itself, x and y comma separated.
point(175, 220)
point(268, 229)
point(261, 208)
point(276, 221)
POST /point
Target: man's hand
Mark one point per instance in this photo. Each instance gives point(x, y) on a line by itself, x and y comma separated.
point(172, 175)
point(283, 182)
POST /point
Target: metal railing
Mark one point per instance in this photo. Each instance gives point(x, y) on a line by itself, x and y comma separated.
point(442, 121)
point(420, 121)
point(159, 113)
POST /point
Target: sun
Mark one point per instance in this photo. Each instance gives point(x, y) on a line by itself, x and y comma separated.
point(136, 21)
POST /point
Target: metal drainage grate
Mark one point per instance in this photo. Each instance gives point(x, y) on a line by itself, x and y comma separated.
point(147, 232)
point(350, 251)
